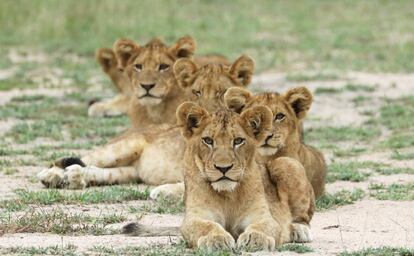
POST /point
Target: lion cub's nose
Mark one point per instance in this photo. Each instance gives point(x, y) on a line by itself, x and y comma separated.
point(223, 169)
point(268, 138)
point(147, 87)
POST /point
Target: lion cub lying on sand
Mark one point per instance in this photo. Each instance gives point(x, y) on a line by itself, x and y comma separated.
point(230, 199)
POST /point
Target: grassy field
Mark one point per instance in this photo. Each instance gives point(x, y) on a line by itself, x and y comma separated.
point(358, 35)
point(362, 117)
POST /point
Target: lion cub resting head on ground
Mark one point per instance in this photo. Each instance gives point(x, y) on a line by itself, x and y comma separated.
point(288, 110)
point(229, 199)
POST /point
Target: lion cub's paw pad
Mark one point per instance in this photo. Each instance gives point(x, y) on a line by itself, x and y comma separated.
point(256, 241)
point(52, 177)
point(74, 177)
point(301, 233)
point(216, 242)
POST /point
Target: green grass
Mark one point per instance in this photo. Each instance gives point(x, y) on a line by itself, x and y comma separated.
point(161, 206)
point(109, 194)
point(299, 77)
point(339, 198)
point(181, 249)
point(359, 88)
point(382, 251)
point(77, 127)
point(360, 100)
point(388, 170)
point(344, 133)
point(347, 87)
point(59, 221)
point(398, 140)
point(396, 192)
point(349, 171)
point(398, 114)
point(10, 171)
point(354, 151)
point(327, 90)
point(68, 250)
point(402, 156)
point(298, 248)
point(359, 35)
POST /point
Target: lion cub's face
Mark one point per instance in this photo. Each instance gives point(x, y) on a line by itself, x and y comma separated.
point(288, 110)
point(209, 83)
point(149, 67)
point(223, 145)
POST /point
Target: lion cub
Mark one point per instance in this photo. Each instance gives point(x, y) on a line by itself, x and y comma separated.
point(230, 200)
point(145, 78)
point(115, 66)
point(288, 110)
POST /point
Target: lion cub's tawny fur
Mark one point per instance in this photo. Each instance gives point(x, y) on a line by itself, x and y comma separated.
point(288, 109)
point(230, 200)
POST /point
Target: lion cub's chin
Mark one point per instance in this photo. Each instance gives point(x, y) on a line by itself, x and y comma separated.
point(224, 185)
point(267, 151)
point(148, 101)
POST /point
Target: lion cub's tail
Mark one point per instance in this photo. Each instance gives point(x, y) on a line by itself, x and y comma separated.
point(136, 229)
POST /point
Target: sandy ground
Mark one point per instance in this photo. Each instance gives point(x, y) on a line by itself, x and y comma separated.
point(367, 223)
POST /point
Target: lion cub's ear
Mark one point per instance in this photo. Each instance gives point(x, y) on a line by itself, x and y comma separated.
point(300, 98)
point(242, 69)
point(257, 122)
point(124, 49)
point(184, 69)
point(192, 118)
point(236, 98)
point(106, 58)
point(184, 47)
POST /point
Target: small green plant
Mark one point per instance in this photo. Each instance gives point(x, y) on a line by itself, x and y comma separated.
point(398, 192)
point(339, 198)
point(298, 248)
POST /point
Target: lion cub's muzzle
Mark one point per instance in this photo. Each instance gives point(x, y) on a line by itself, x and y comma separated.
point(271, 145)
point(147, 91)
point(224, 177)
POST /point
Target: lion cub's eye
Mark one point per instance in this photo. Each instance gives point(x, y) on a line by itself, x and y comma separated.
point(208, 141)
point(196, 93)
point(279, 117)
point(138, 67)
point(163, 67)
point(238, 141)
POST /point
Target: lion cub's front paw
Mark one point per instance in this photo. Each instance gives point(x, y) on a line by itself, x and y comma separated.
point(100, 109)
point(256, 241)
point(52, 177)
point(301, 233)
point(75, 177)
point(216, 242)
point(169, 191)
